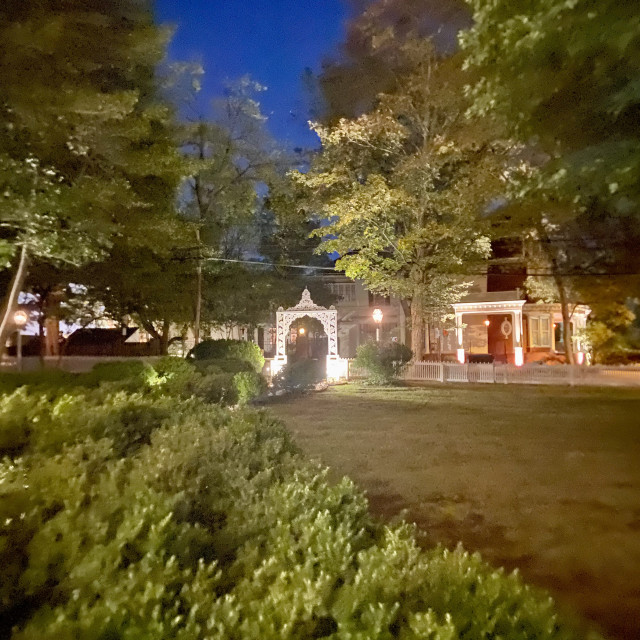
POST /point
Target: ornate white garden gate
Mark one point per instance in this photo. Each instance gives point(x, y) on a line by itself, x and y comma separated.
point(336, 366)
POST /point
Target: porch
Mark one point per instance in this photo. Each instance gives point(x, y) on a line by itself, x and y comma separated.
point(509, 330)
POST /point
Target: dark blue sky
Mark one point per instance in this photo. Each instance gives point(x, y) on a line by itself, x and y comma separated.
point(271, 40)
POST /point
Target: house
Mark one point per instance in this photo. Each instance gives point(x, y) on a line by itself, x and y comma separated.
point(491, 324)
point(510, 329)
point(497, 322)
point(127, 341)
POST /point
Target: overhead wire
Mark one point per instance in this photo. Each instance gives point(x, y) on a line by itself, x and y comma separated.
point(537, 273)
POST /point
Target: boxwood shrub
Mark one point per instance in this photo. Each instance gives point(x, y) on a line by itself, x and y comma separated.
point(225, 349)
point(382, 363)
point(213, 525)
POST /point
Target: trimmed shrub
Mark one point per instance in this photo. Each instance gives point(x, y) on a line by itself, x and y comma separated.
point(249, 385)
point(224, 349)
point(302, 375)
point(47, 378)
point(131, 373)
point(382, 363)
point(215, 388)
point(226, 365)
point(32, 419)
point(172, 367)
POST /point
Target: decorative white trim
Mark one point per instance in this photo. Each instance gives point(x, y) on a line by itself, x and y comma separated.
point(503, 306)
point(306, 307)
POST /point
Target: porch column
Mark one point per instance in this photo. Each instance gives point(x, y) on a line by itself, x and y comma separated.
point(460, 338)
point(517, 338)
point(580, 322)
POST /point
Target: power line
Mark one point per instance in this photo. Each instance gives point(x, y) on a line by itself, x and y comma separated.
point(269, 264)
point(539, 274)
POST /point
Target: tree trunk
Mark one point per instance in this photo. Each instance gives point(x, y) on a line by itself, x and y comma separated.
point(417, 332)
point(164, 338)
point(6, 325)
point(198, 311)
point(52, 336)
point(566, 321)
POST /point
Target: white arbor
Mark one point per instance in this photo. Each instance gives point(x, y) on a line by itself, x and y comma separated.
point(336, 366)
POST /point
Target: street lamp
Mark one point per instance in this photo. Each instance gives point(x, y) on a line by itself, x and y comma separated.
point(377, 318)
point(20, 318)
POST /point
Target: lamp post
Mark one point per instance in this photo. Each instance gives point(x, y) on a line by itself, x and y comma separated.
point(377, 318)
point(20, 318)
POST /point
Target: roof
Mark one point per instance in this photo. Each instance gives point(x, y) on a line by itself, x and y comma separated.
point(100, 336)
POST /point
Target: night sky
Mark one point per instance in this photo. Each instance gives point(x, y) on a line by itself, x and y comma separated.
point(271, 40)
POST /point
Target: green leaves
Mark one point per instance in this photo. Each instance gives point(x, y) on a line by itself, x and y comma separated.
point(567, 74)
point(218, 528)
point(402, 186)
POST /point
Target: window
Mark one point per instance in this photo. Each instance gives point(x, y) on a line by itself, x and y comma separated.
point(559, 335)
point(540, 331)
point(378, 300)
point(346, 291)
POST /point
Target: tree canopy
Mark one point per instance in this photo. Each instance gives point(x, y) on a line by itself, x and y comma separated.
point(87, 152)
point(402, 188)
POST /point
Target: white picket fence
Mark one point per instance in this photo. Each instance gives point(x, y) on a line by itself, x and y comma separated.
point(510, 374)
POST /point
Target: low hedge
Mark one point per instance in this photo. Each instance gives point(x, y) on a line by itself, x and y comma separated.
point(214, 526)
point(299, 376)
point(216, 382)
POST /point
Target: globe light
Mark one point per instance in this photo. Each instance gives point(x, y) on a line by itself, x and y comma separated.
point(377, 318)
point(20, 317)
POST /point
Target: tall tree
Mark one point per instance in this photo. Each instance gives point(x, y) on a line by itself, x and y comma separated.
point(371, 60)
point(563, 78)
point(87, 155)
point(232, 158)
point(402, 188)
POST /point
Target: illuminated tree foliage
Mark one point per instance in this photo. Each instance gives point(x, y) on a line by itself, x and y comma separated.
point(402, 187)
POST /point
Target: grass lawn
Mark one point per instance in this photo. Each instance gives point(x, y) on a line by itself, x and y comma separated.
point(545, 479)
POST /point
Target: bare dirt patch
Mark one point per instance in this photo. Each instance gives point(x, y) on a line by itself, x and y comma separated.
point(546, 480)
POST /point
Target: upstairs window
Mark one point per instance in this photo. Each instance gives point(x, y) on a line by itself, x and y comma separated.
point(378, 300)
point(346, 291)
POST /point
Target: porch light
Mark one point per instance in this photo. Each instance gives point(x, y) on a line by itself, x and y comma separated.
point(487, 322)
